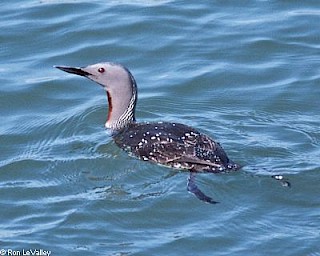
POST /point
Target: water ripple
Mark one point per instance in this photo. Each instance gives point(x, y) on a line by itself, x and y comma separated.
point(246, 74)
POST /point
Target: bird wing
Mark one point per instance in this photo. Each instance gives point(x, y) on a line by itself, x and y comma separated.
point(195, 152)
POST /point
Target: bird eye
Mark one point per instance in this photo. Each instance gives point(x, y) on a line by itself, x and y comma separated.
point(101, 70)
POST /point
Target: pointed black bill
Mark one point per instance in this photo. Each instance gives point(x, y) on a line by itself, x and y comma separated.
point(71, 70)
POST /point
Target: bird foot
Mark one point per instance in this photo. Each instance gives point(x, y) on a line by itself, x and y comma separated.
point(193, 188)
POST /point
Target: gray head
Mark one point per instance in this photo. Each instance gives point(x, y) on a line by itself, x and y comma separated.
point(120, 86)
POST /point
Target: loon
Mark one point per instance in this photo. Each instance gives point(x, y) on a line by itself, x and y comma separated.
point(173, 145)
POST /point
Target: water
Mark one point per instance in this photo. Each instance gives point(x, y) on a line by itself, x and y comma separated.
point(246, 73)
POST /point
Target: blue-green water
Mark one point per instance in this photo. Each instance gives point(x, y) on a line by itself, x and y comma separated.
point(245, 72)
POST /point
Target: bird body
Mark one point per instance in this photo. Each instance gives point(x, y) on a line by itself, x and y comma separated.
point(170, 144)
point(174, 145)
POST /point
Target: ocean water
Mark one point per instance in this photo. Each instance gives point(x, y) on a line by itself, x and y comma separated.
point(247, 73)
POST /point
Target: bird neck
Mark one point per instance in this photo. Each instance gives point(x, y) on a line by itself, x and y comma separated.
point(122, 105)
